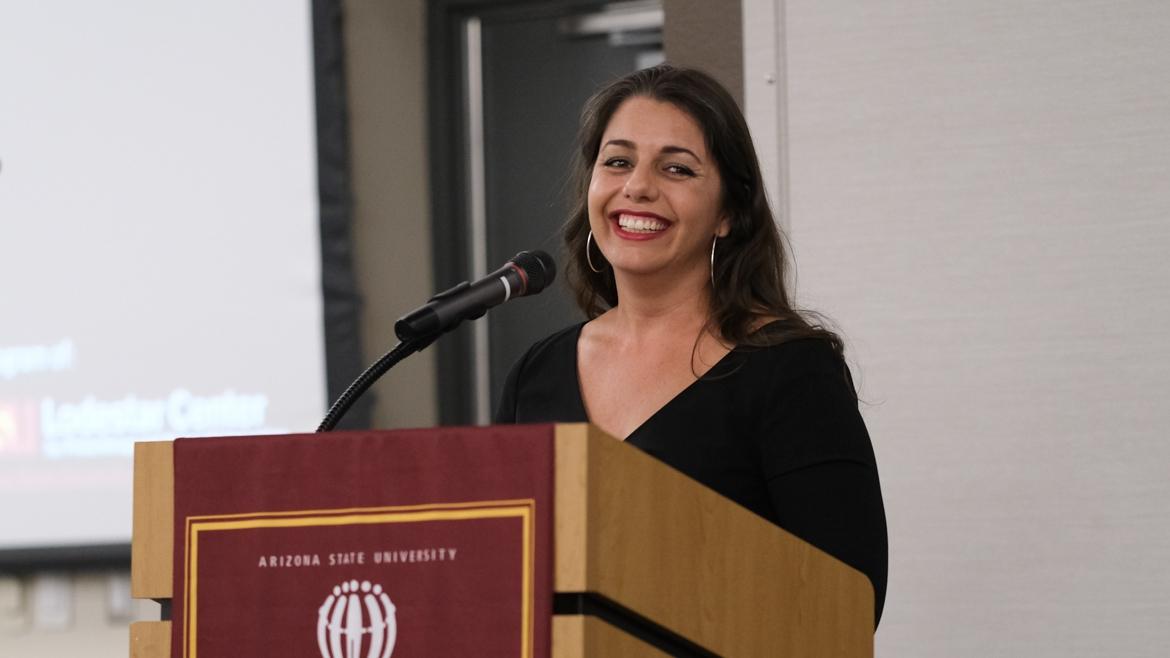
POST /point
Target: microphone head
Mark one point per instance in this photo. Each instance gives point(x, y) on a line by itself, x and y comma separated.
point(539, 267)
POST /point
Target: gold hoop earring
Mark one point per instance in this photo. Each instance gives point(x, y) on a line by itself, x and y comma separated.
point(588, 256)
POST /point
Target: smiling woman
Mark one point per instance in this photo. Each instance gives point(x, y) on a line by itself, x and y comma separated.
point(655, 197)
point(692, 350)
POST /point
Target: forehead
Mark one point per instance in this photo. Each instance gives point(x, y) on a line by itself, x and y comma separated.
point(653, 124)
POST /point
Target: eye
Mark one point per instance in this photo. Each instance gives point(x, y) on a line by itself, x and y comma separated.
point(680, 170)
point(617, 163)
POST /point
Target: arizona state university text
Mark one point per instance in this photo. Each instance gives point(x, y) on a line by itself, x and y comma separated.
point(398, 556)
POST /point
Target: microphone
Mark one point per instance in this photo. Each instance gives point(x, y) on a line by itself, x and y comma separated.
point(527, 274)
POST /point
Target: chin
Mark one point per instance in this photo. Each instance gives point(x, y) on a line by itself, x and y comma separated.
point(638, 266)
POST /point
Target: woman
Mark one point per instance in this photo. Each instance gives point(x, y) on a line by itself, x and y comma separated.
point(693, 351)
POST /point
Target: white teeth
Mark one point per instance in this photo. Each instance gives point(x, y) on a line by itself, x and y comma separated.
point(640, 224)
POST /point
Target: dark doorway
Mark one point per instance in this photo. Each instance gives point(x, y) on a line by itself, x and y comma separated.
point(508, 80)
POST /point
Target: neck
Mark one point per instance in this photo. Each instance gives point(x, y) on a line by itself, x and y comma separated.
point(649, 307)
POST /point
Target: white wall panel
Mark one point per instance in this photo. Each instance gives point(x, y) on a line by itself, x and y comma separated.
point(980, 195)
point(763, 95)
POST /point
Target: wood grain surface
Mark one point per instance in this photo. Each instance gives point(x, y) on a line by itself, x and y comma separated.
point(582, 636)
point(150, 639)
point(152, 546)
point(679, 554)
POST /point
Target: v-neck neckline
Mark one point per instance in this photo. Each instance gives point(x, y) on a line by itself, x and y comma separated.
point(658, 412)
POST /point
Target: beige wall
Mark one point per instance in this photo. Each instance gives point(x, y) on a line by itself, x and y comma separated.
point(386, 68)
point(978, 194)
point(705, 35)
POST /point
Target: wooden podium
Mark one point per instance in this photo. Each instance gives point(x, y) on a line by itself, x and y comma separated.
point(646, 562)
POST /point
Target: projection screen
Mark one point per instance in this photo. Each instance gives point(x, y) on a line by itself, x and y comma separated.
point(159, 247)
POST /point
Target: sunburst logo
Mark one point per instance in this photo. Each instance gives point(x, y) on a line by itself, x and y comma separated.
point(357, 620)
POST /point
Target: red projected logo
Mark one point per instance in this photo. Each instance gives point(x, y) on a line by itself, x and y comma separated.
point(19, 430)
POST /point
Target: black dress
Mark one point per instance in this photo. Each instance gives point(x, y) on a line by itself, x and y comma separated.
point(775, 429)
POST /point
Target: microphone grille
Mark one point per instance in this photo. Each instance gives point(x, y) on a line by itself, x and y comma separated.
point(540, 268)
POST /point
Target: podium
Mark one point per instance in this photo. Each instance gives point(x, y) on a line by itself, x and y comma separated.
point(645, 562)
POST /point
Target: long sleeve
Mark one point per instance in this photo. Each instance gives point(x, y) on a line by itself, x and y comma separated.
point(837, 507)
point(818, 461)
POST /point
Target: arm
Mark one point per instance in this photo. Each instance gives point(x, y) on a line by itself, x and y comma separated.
point(837, 507)
point(819, 464)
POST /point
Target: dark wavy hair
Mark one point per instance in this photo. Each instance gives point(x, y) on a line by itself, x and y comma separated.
point(750, 262)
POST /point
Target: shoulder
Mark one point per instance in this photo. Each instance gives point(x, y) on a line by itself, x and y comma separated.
point(556, 351)
point(806, 404)
point(794, 360)
point(541, 386)
point(559, 344)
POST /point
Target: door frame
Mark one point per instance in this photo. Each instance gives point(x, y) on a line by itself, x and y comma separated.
point(447, 133)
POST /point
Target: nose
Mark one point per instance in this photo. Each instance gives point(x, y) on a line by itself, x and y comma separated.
point(640, 185)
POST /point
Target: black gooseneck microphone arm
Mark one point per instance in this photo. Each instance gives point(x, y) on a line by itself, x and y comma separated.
point(372, 374)
point(526, 274)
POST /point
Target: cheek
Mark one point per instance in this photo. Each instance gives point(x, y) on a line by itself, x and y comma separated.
point(597, 195)
point(596, 183)
point(718, 209)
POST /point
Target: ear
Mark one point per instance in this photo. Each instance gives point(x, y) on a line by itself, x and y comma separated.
point(724, 227)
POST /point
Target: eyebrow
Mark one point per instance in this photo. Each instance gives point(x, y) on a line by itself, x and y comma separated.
point(665, 149)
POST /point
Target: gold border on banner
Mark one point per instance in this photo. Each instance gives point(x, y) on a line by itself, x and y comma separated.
point(524, 509)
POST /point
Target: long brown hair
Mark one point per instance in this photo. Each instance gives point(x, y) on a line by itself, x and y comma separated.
point(751, 262)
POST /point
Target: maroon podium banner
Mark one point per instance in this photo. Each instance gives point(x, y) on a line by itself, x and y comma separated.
point(365, 544)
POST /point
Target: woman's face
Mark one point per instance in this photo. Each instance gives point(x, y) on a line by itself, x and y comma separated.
point(655, 196)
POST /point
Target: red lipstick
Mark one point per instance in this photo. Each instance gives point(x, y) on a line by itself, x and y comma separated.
point(650, 221)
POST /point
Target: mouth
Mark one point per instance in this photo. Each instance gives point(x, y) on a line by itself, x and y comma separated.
point(641, 224)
